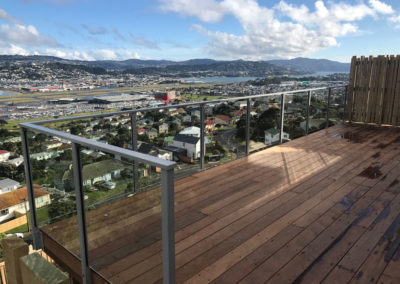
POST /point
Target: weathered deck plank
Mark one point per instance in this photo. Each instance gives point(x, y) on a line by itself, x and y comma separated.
point(307, 211)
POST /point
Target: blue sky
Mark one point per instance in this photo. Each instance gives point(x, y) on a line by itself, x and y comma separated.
point(184, 29)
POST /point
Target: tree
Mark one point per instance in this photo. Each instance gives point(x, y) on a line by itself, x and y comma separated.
point(3, 122)
point(61, 209)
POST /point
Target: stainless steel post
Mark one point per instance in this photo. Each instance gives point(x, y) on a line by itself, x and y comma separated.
point(328, 107)
point(202, 130)
point(282, 118)
point(308, 112)
point(36, 234)
point(80, 208)
point(135, 148)
point(248, 127)
point(168, 225)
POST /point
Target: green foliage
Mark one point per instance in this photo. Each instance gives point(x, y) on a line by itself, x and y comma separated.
point(13, 172)
point(61, 210)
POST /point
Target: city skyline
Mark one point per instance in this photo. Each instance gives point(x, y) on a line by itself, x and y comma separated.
point(181, 29)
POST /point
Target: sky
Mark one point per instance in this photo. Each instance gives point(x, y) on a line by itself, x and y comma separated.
point(186, 29)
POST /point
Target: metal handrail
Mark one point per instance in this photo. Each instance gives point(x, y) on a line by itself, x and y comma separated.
point(96, 145)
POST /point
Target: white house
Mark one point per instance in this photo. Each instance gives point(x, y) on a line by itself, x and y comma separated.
point(43, 155)
point(186, 118)
point(7, 185)
point(15, 202)
point(190, 143)
point(191, 131)
point(272, 136)
point(16, 162)
point(163, 128)
point(105, 170)
point(4, 155)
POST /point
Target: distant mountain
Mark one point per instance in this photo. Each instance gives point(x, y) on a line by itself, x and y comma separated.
point(312, 65)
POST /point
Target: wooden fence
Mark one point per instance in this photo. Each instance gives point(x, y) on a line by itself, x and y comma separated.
point(374, 90)
point(12, 224)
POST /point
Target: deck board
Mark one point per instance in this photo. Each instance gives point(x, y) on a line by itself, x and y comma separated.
point(316, 209)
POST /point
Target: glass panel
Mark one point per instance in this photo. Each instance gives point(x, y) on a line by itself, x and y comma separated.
point(319, 103)
point(295, 116)
point(123, 225)
point(336, 109)
point(224, 140)
point(265, 118)
point(51, 160)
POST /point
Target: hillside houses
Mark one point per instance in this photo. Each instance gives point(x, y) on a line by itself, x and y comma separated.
point(15, 202)
point(105, 170)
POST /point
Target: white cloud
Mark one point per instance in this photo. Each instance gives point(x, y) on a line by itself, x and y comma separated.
point(381, 7)
point(396, 21)
point(26, 35)
point(268, 33)
point(12, 49)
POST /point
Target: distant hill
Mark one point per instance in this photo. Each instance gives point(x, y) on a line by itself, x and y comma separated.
point(298, 64)
point(188, 68)
point(312, 65)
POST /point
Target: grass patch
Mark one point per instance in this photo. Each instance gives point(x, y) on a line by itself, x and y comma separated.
point(197, 98)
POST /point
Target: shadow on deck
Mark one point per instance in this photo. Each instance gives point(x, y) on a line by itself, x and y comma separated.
point(325, 207)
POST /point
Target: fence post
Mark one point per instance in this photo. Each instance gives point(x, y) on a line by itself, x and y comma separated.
point(36, 234)
point(168, 225)
point(328, 107)
point(134, 148)
point(345, 103)
point(248, 127)
point(308, 112)
point(202, 129)
point(80, 208)
point(282, 117)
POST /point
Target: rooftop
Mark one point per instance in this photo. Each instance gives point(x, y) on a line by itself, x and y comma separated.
point(325, 207)
point(17, 196)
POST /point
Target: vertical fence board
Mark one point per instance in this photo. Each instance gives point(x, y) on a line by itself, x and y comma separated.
point(396, 105)
point(374, 90)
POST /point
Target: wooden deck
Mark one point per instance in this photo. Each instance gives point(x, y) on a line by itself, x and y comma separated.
point(322, 208)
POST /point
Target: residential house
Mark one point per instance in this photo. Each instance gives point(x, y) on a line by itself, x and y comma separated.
point(191, 131)
point(152, 133)
point(236, 115)
point(195, 113)
point(190, 143)
point(105, 170)
point(209, 125)
point(16, 162)
point(43, 155)
point(223, 120)
point(240, 104)
point(141, 131)
point(49, 145)
point(163, 128)
point(15, 203)
point(149, 149)
point(7, 185)
point(4, 155)
point(272, 136)
point(186, 118)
